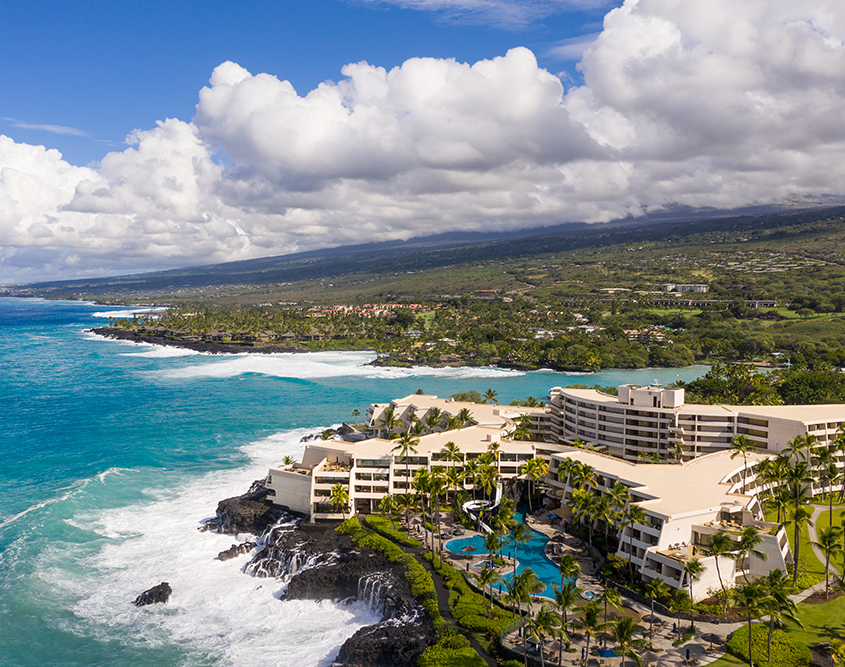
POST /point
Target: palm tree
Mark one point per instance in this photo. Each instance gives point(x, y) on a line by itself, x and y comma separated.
point(451, 423)
point(800, 447)
point(569, 568)
point(566, 599)
point(465, 416)
point(523, 428)
point(493, 543)
point(387, 506)
point(605, 513)
point(288, 461)
point(536, 469)
point(633, 515)
point(591, 622)
point(680, 603)
point(406, 444)
point(406, 503)
point(800, 518)
point(490, 396)
point(752, 599)
point(437, 482)
point(749, 540)
point(487, 479)
point(487, 576)
point(722, 545)
point(422, 486)
point(610, 597)
point(619, 497)
point(432, 418)
point(693, 569)
point(495, 449)
point(340, 498)
point(624, 632)
point(779, 607)
point(544, 623)
point(521, 534)
point(830, 541)
point(742, 446)
point(388, 420)
point(451, 453)
point(656, 588)
point(454, 480)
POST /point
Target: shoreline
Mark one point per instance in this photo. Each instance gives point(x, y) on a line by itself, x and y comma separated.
point(207, 347)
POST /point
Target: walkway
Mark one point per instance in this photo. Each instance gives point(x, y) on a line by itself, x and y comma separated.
point(814, 537)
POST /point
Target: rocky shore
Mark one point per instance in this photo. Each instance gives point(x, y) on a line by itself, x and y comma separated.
point(319, 563)
point(196, 345)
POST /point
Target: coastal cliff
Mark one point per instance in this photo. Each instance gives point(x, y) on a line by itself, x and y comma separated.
point(319, 563)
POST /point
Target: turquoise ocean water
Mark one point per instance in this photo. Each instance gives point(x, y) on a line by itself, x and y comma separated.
point(112, 453)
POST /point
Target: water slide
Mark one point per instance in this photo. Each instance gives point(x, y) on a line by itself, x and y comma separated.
point(475, 508)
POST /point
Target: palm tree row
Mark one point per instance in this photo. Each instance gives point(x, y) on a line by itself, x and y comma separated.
point(433, 421)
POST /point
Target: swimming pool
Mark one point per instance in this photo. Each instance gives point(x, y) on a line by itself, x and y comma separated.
point(532, 554)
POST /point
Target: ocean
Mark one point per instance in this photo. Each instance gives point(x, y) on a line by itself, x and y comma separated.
point(114, 453)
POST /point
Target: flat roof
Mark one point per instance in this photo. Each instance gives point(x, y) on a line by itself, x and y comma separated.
point(470, 440)
point(678, 489)
point(483, 413)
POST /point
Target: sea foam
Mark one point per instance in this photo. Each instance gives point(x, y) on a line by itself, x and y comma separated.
point(217, 613)
point(315, 365)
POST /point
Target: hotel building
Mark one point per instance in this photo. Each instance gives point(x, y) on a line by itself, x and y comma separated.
point(653, 422)
point(685, 505)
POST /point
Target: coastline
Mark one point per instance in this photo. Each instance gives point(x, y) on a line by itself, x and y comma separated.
point(215, 347)
point(114, 333)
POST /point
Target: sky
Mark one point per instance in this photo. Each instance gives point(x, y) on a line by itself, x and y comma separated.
point(139, 136)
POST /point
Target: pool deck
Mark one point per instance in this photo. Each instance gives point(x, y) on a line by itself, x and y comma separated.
point(560, 543)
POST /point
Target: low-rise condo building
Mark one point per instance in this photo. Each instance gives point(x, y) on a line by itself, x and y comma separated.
point(685, 505)
point(373, 468)
point(654, 422)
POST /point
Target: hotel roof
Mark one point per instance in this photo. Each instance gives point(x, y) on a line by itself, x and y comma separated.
point(678, 489)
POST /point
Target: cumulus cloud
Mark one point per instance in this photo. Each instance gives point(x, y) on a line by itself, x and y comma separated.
point(705, 103)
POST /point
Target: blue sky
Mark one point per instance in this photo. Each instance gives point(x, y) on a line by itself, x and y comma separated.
point(104, 69)
point(137, 136)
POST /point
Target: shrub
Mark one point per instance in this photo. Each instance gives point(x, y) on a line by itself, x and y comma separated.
point(786, 652)
point(439, 656)
point(384, 527)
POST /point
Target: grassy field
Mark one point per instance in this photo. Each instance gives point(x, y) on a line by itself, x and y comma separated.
point(822, 622)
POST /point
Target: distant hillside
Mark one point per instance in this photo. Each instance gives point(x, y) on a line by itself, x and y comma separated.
point(380, 268)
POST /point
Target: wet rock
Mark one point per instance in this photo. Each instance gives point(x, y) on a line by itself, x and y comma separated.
point(249, 513)
point(236, 550)
point(155, 595)
point(387, 644)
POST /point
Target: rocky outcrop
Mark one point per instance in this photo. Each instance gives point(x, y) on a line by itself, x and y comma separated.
point(387, 644)
point(155, 595)
point(236, 550)
point(249, 513)
point(211, 347)
point(320, 563)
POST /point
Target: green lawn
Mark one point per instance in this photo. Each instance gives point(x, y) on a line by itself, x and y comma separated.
point(807, 560)
point(822, 622)
point(824, 521)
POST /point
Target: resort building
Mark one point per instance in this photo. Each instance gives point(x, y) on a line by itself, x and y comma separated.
point(685, 505)
point(373, 468)
point(654, 423)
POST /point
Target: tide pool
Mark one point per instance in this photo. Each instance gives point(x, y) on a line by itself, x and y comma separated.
point(113, 453)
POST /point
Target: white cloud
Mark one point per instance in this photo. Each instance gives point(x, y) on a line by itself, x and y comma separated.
point(54, 129)
point(504, 13)
point(709, 103)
